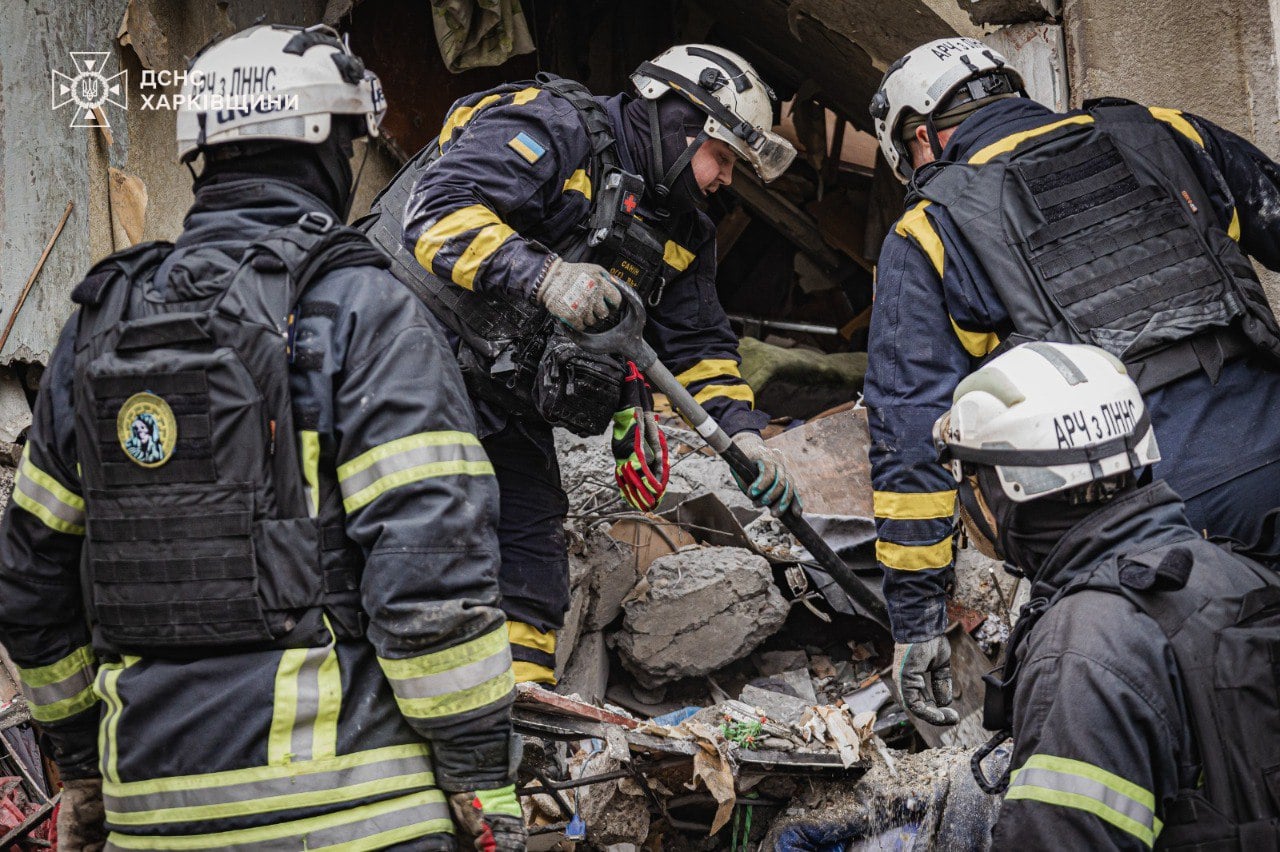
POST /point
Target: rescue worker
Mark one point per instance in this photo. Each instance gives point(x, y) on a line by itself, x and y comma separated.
point(1140, 683)
point(290, 634)
point(1118, 225)
point(536, 202)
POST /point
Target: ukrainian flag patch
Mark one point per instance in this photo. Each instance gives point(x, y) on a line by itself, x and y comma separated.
point(524, 145)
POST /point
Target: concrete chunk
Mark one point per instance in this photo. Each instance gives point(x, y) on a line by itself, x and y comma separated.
point(698, 611)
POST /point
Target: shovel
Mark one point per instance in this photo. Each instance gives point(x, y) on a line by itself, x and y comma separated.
point(625, 340)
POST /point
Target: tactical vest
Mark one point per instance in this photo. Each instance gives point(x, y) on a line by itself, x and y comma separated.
point(200, 537)
point(1100, 232)
point(512, 352)
point(1223, 623)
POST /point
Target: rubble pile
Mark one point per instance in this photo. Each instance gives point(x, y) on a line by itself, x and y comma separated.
point(715, 692)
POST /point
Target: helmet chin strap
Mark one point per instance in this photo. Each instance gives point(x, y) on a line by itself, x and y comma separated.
point(935, 144)
point(666, 185)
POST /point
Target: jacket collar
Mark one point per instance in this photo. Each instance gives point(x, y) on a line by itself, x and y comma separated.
point(1140, 520)
point(225, 218)
point(994, 122)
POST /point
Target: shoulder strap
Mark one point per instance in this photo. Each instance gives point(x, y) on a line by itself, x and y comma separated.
point(132, 262)
point(604, 146)
point(314, 245)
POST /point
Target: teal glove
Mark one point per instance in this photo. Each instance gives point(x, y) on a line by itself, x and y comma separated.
point(773, 486)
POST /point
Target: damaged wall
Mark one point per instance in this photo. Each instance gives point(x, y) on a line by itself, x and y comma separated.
point(45, 165)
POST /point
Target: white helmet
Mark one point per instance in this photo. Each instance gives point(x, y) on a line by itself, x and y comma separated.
point(274, 82)
point(1048, 417)
point(736, 99)
point(935, 78)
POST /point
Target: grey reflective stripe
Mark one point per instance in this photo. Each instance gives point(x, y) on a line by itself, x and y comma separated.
point(410, 458)
point(61, 510)
point(308, 706)
point(372, 826)
point(184, 795)
point(453, 680)
point(69, 687)
point(1067, 782)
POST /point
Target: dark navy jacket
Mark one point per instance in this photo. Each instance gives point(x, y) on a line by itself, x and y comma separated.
point(349, 730)
point(937, 316)
point(1101, 738)
point(513, 181)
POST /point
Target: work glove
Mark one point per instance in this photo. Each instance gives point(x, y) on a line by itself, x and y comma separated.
point(81, 819)
point(772, 486)
point(911, 662)
point(580, 294)
point(489, 820)
point(641, 466)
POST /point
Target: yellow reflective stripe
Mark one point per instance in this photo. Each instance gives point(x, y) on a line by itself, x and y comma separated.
point(979, 344)
point(462, 701)
point(742, 392)
point(62, 689)
point(376, 788)
point(464, 219)
point(285, 707)
point(526, 672)
point(523, 96)
point(1233, 230)
point(1174, 119)
point(529, 636)
point(231, 777)
point(108, 687)
point(1110, 780)
point(1080, 802)
point(40, 494)
point(676, 256)
point(309, 442)
point(915, 225)
point(914, 507)
point(482, 647)
point(308, 699)
point(377, 814)
point(906, 557)
point(489, 240)
point(460, 116)
point(77, 661)
point(1013, 140)
point(578, 182)
point(500, 801)
point(325, 742)
point(410, 459)
point(711, 368)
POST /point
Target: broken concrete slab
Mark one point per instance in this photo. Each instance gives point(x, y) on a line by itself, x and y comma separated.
point(586, 675)
point(828, 460)
point(1003, 12)
point(614, 812)
point(15, 413)
point(697, 611)
point(775, 705)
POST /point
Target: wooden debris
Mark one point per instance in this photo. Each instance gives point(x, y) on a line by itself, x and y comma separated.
point(31, 279)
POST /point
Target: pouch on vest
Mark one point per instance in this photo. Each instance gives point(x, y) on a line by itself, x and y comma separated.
point(199, 537)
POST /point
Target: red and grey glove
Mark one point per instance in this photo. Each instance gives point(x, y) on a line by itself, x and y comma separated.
point(489, 820)
point(639, 448)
